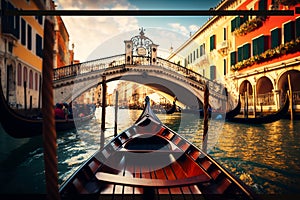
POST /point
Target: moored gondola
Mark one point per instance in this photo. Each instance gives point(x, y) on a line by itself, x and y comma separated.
point(19, 126)
point(150, 159)
point(264, 119)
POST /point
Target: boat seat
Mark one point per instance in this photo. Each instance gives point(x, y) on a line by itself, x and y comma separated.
point(147, 182)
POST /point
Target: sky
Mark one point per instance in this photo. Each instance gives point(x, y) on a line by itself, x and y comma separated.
point(102, 36)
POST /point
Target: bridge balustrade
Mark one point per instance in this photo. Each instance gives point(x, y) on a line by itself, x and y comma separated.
point(88, 67)
point(216, 89)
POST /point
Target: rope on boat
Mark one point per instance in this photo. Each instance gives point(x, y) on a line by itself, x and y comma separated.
point(205, 121)
point(49, 131)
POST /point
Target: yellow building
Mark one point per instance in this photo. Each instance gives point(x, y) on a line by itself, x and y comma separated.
point(207, 50)
point(253, 56)
point(21, 53)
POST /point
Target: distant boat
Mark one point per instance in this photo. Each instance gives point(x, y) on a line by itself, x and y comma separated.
point(228, 115)
point(172, 109)
point(149, 159)
point(269, 118)
point(234, 112)
point(19, 126)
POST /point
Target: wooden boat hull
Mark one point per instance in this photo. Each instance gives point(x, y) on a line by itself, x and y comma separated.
point(263, 119)
point(19, 126)
point(151, 160)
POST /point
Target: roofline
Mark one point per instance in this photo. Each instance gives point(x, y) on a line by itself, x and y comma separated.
point(222, 4)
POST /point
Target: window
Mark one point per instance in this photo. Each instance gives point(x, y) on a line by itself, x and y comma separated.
point(232, 58)
point(246, 51)
point(188, 60)
point(262, 5)
point(297, 26)
point(289, 32)
point(39, 19)
point(236, 23)
point(240, 54)
point(225, 33)
point(30, 79)
point(258, 45)
point(19, 81)
point(10, 23)
point(25, 74)
point(202, 49)
point(225, 66)
point(23, 32)
point(197, 51)
point(38, 44)
point(212, 42)
point(194, 56)
point(275, 37)
point(36, 80)
point(212, 72)
point(29, 36)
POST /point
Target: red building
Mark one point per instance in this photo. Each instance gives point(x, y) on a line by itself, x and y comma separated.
point(266, 53)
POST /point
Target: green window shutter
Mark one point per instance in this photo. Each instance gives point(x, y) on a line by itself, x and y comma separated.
point(275, 38)
point(238, 22)
point(232, 58)
point(212, 42)
point(297, 25)
point(246, 51)
point(240, 54)
point(289, 33)
point(233, 24)
point(258, 45)
point(261, 44)
point(262, 5)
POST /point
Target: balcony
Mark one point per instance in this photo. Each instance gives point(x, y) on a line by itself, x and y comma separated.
point(222, 48)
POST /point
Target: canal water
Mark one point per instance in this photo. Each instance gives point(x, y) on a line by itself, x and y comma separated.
point(265, 157)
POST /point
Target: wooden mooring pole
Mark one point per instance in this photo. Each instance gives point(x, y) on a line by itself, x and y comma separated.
point(116, 114)
point(291, 97)
point(25, 95)
point(49, 131)
point(103, 112)
point(205, 121)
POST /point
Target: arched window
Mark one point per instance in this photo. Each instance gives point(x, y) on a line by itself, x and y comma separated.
point(36, 81)
point(30, 79)
point(19, 82)
point(25, 74)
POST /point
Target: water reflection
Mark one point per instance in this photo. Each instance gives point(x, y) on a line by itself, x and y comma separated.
point(265, 157)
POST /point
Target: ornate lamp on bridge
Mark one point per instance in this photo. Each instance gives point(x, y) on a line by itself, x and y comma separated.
point(142, 47)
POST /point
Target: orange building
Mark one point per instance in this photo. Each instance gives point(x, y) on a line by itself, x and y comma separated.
point(63, 56)
point(266, 53)
point(253, 56)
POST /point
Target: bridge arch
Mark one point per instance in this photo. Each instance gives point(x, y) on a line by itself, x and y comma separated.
point(139, 64)
point(169, 83)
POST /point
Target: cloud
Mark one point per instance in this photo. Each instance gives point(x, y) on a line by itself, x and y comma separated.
point(88, 32)
point(178, 27)
point(193, 28)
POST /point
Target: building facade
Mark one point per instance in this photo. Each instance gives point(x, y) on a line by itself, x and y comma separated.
point(21, 51)
point(252, 55)
point(63, 55)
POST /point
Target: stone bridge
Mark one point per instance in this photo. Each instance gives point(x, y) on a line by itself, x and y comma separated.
point(163, 75)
